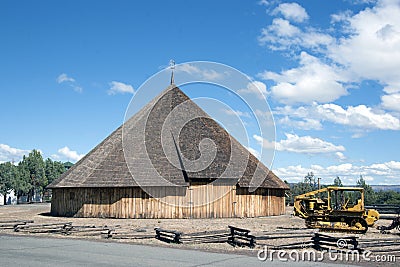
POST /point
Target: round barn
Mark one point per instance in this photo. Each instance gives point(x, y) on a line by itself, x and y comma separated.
point(147, 174)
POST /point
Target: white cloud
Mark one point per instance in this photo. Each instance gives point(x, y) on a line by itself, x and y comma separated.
point(11, 154)
point(391, 102)
point(283, 28)
point(282, 35)
point(64, 78)
point(212, 75)
point(340, 156)
point(357, 135)
point(377, 173)
point(342, 16)
point(365, 46)
point(68, 154)
point(236, 113)
point(206, 74)
point(292, 11)
point(300, 144)
point(256, 87)
point(357, 117)
point(311, 81)
point(120, 88)
point(358, 2)
point(264, 142)
point(306, 144)
point(395, 165)
point(372, 50)
point(304, 124)
point(188, 68)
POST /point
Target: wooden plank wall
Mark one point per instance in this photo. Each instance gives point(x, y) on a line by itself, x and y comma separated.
point(133, 202)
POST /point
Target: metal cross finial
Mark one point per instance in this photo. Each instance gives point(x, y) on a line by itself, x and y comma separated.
point(172, 66)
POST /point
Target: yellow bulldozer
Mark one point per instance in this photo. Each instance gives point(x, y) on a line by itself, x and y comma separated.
point(335, 209)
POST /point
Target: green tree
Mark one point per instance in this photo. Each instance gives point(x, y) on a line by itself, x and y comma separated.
point(34, 167)
point(388, 197)
point(369, 194)
point(310, 179)
point(298, 189)
point(53, 169)
point(21, 182)
point(337, 182)
point(7, 175)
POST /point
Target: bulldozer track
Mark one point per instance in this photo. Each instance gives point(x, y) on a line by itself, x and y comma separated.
point(354, 225)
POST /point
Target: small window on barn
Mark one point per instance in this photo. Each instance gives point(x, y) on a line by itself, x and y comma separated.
point(71, 195)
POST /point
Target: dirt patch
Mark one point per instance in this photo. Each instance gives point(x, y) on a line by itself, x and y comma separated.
point(265, 226)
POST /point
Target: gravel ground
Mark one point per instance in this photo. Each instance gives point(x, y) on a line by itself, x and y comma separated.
point(258, 226)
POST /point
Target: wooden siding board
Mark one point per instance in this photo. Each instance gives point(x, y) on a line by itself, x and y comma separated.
point(134, 203)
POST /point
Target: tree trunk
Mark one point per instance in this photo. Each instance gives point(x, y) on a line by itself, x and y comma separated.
point(5, 199)
point(29, 197)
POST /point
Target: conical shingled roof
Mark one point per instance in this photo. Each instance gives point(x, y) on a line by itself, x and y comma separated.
point(164, 149)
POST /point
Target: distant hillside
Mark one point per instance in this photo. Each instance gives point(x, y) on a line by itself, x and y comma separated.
point(386, 187)
point(375, 187)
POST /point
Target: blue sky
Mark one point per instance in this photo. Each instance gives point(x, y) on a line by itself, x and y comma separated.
point(329, 70)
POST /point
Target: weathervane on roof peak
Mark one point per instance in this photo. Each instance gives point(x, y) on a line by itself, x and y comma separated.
point(172, 67)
